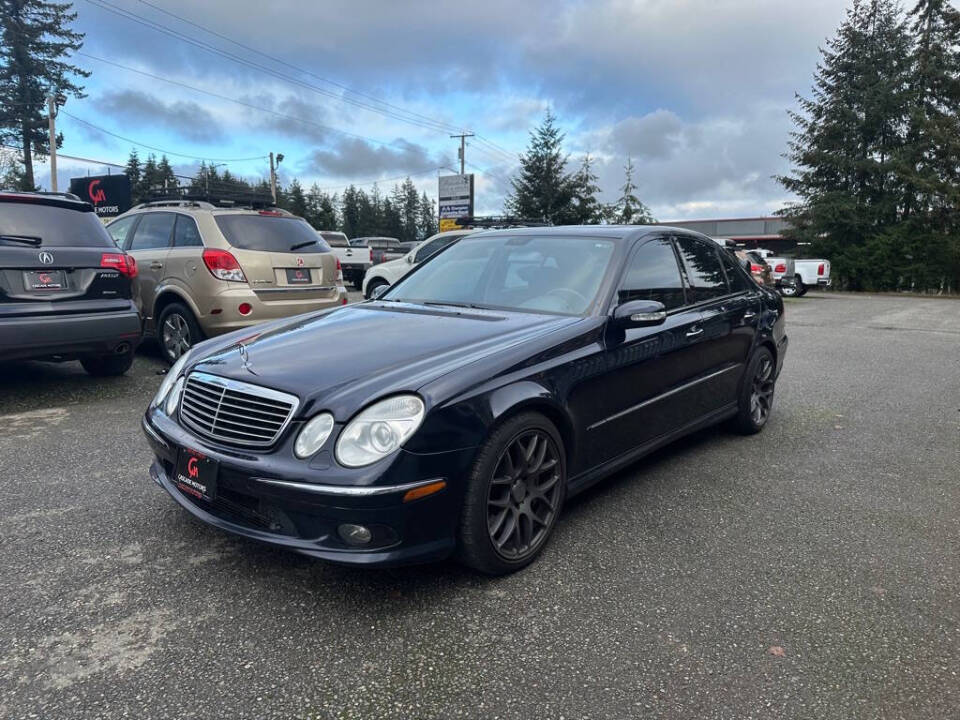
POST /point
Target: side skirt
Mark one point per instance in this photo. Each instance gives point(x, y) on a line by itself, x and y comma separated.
point(593, 476)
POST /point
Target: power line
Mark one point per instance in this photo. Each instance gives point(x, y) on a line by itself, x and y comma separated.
point(157, 149)
point(383, 180)
point(426, 123)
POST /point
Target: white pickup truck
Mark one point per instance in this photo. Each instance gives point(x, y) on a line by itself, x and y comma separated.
point(811, 274)
point(354, 261)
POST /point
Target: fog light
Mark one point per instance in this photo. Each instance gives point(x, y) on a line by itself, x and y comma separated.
point(245, 308)
point(354, 534)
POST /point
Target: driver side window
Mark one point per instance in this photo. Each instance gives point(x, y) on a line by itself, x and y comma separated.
point(653, 274)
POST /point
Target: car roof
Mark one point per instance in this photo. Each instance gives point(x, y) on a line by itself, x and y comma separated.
point(609, 232)
point(61, 200)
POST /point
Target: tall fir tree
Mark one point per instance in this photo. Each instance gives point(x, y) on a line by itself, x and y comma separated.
point(543, 190)
point(427, 220)
point(132, 171)
point(295, 200)
point(586, 208)
point(628, 210)
point(35, 44)
point(845, 150)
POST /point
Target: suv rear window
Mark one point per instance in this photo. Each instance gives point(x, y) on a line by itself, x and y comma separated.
point(55, 226)
point(272, 234)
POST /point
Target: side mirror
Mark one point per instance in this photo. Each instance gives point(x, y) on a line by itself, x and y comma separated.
point(378, 291)
point(639, 313)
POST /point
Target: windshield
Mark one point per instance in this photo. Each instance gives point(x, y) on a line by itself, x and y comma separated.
point(48, 226)
point(273, 234)
point(527, 273)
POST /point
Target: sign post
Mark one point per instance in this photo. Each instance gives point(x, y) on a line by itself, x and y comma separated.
point(455, 199)
point(109, 194)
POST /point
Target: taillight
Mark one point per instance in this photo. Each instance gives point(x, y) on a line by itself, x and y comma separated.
point(781, 267)
point(121, 262)
point(820, 269)
point(222, 265)
point(339, 271)
point(756, 268)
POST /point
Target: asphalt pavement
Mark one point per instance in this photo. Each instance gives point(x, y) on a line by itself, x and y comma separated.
point(811, 571)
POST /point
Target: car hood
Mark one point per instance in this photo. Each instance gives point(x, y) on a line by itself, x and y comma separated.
point(343, 359)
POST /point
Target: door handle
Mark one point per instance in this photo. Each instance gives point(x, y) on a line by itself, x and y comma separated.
point(749, 315)
point(156, 265)
point(695, 332)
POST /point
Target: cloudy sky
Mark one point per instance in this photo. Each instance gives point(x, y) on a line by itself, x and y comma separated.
point(696, 92)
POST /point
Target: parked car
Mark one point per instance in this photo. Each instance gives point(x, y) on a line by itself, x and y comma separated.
point(205, 270)
point(758, 268)
point(354, 261)
point(455, 414)
point(386, 274)
point(66, 292)
point(783, 272)
point(812, 273)
point(383, 248)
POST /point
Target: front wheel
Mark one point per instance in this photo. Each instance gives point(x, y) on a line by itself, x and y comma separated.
point(756, 393)
point(373, 285)
point(515, 491)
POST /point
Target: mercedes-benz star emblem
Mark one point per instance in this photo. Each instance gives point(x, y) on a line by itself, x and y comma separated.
point(46, 258)
point(245, 359)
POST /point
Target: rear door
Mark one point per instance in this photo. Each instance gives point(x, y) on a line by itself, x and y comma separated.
point(52, 260)
point(282, 257)
point(149, 243)
point(185, 258)
point(729, 307)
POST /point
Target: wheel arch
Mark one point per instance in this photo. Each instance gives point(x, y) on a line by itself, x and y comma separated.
point(168, 295)
point(524, 396)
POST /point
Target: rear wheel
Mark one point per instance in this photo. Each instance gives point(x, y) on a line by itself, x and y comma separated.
point(801, 288)
point(177, 331)
point(756, 393)
point(108, 365)
point(516, 488)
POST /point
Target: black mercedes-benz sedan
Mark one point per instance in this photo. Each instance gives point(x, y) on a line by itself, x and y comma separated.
point(454, 413)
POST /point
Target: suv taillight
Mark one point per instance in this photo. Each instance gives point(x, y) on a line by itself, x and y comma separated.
point(222, 265)
point(781, 267)
point(820, 269)
point(339, 271)
point(754, 268)
point(121, 262)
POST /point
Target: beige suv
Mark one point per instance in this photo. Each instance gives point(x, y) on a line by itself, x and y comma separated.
point(205, 270)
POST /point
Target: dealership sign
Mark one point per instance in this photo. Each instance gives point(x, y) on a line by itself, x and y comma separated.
point(455, 199)
point(109, 194)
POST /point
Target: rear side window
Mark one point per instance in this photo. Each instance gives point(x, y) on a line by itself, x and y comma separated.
point(186, 233)
point(271, 234)
point(55, 226)
point(153, 232)
point(702, 263)
point(738, 283)
point(120, 229)
point(653, 274)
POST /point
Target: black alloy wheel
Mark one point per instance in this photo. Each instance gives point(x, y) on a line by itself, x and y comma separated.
point(516, 490)
point(756, 393)
point(523, 496)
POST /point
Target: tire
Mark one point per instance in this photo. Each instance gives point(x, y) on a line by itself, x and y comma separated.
point(108, 365)
point(801, 288)
point(755, 402)
point(788, 290)
point(507, 519)
point(373, 285)
point(177, 331)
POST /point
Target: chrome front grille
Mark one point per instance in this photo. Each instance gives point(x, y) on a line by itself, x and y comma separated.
point(233, 412)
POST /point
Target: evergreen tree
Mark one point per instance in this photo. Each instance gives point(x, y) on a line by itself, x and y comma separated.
point(427, 221)
point(294, 200)
point(628, 210)
point(132, 170)
point(845, 149)
point(350, 212)
point(585, 209)
point(543, 190)
point(36, 41)
point(327, 212)
point(149, 179)
point(166, 180)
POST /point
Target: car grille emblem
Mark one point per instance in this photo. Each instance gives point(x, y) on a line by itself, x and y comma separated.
point(46, 258)
point(299, 262)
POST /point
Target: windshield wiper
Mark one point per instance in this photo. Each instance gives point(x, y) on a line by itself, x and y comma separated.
point(301, 245)
point(25, 239)
point(453, 304)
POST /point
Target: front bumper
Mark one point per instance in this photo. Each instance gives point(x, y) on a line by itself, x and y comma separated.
point(99, 333)
point(262, 498)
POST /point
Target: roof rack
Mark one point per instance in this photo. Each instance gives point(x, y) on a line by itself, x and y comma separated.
point(176, 203)
point(239, 198)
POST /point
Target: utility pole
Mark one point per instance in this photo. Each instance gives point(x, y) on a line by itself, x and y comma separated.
point(52, 113)
point(273, 175)
point(463, 146)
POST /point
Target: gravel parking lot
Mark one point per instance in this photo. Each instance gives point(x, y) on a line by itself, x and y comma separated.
point(812, 571)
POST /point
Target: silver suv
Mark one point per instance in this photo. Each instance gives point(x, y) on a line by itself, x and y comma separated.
point(206, 270)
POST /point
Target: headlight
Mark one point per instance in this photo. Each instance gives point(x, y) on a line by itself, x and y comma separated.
point(173, 398)
point(170, 379)
point(379, 430)
point(313, 435)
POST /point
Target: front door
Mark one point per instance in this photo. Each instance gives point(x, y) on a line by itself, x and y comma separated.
point(644, 391)
point(149, 244)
